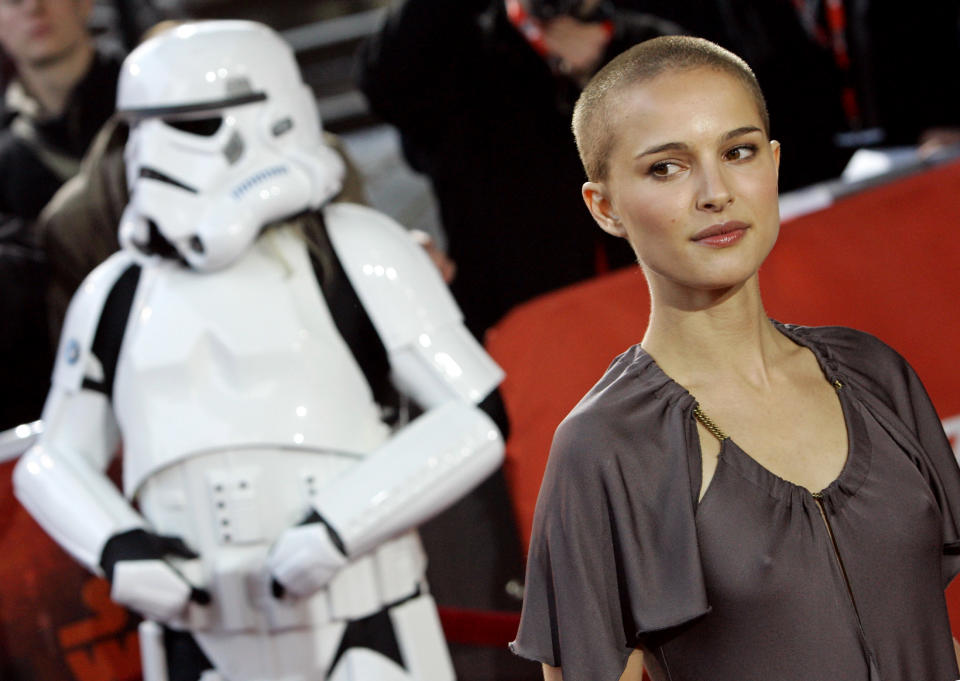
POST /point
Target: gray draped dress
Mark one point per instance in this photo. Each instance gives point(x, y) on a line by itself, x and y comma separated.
point(760, 580)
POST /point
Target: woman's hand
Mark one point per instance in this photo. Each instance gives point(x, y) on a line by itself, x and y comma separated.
point(632, 672)
point(443, 263)
point(552, 673)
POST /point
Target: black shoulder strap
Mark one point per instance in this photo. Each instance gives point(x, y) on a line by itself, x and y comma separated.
point(350, 317)
point(111, 327)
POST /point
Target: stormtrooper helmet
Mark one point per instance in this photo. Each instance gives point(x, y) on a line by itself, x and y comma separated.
point(225, 138)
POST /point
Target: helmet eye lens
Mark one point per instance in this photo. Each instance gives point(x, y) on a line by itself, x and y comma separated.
point(204, 127)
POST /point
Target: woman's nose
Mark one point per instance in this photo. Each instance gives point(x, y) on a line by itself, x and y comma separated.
point(714, 192)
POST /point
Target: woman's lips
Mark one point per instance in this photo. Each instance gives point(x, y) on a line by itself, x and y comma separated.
point(39, 31)
point(721, 235)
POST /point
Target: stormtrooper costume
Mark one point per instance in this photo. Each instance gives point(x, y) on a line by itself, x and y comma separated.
point(265, 528)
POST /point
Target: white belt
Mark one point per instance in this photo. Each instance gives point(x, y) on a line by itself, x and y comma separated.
point(230, 507)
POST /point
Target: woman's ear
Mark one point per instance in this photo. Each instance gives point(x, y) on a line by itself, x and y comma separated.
point(598, 203)
point(775, 148)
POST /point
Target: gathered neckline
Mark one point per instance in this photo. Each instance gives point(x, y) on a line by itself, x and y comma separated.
point(844, 485)
point(855, 467)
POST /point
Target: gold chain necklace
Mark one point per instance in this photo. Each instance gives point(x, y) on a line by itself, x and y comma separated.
point(709, 424)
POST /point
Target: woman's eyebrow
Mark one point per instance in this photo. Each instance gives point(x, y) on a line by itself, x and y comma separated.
point(744, 130)
point(669, 146)
point(682, 146)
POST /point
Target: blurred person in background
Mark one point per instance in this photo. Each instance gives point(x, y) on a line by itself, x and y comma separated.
point(59, 89)
point(839, 74)
point(894, 91)
point(60, 92)
point(481, 92)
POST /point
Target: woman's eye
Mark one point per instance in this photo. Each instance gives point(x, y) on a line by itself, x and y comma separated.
point(744, 151)
point(664, 169)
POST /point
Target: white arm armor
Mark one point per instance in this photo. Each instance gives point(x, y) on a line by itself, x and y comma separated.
point(61, 480)
point(453, 446)
point(426, 467)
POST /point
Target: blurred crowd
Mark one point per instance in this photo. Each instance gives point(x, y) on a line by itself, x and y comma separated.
point(481, 93)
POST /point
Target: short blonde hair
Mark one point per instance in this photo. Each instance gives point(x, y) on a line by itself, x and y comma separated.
point(592, 125)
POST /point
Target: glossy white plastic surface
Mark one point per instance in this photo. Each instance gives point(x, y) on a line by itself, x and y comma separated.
point(421, 640)
point(75, 503)
point(210, 193)
point(427, 466)
point(305, 559)
point(247, 357)
point(74, 360)
point(17, 440)
point(153, 658)
point(151, 588)
point(434, 358)
point(61, 480)
point(400, 288)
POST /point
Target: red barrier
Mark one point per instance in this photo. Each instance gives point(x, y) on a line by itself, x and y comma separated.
point(479, 627)
point(56, 620)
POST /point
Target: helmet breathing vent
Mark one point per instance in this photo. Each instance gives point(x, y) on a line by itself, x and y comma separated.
point(257, 178)
point(157, 244)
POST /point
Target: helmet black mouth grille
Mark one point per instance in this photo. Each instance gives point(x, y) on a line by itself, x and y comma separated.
point(157, 244)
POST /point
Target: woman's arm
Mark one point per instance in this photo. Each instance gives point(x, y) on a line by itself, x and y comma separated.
point(552, 673)
point(632, 672)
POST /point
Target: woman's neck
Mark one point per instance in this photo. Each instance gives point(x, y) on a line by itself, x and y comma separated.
point(714, 335)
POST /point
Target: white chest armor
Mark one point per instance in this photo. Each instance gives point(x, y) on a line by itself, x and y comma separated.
point(241, 358)
point(240, 364)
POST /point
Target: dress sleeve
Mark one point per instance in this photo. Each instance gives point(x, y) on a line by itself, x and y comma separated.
point(613, 554)
point(939, 465)
point(896, 397)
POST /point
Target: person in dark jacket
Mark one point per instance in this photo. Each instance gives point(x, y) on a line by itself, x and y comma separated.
point(481, 92)
point(853, 79)
point(59, 92)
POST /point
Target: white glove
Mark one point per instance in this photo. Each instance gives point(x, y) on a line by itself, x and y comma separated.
point(152, 588)
point(304, 559)
point(140, 577)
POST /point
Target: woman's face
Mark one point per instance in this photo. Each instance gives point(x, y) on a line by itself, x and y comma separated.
point(692, 180)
